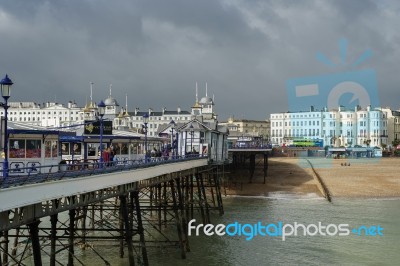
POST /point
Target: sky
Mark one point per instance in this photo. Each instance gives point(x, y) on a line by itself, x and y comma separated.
point(156, 51)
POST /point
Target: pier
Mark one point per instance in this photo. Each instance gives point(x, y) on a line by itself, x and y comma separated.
point(53, 215)
point(246, 158)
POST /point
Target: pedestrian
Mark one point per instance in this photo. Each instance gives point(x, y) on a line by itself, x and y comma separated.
point(106, 157)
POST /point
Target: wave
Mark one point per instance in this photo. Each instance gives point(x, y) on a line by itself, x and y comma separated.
point(282, 195)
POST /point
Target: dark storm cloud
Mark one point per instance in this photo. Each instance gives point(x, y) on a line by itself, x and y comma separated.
point(156, 50)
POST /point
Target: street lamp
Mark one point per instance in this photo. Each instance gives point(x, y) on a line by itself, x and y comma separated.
point(191, 138)
point(145, 121)
point(6, 84)
point(101, 108)
point(172, 124)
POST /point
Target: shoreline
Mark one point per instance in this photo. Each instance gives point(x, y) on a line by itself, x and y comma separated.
point(364, 178)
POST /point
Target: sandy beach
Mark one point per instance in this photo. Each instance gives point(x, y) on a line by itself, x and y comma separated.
point(373, 178)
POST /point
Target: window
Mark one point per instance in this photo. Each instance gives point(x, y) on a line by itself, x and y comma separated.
point(17, 148)
point(51, 149)
point(33, 149)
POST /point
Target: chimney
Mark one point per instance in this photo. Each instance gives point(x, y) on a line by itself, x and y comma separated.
point(369, 108)
point(312, 108)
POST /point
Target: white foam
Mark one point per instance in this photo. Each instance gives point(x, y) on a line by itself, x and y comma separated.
point(283, 195)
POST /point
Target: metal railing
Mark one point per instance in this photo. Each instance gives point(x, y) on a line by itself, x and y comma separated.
point(40, 174)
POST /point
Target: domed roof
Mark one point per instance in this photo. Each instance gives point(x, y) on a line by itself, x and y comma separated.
point(89, 106)
point(206, 101)
point(110, 101)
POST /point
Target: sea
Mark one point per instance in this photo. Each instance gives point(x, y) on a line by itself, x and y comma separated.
point(376, 240)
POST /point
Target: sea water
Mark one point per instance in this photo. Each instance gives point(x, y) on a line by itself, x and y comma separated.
point(353, 249)
point(278, 207)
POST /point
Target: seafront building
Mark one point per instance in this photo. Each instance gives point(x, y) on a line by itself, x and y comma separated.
point(248, 131)
point(338, 127)
point(247, 127)
point(56, 115)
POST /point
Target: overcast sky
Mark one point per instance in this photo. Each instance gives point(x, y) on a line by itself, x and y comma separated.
point(155, 51)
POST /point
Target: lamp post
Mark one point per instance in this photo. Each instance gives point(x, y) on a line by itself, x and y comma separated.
point(145, 121)
point(6, 84)
point(172, 124)
point(101, 108)
point(177, 144)
point(191, 139)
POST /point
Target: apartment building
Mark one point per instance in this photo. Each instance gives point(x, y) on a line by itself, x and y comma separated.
point(339, 127)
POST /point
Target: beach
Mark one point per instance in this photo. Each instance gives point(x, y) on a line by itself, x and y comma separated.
point(370, 178)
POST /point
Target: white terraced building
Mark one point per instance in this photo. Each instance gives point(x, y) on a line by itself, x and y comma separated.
point(56, 115)
point(49, 114)
point(340, 127)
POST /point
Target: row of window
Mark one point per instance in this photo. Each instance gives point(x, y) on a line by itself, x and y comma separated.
point(38, 112)
point(349, 115)
point(22, 148)
point(38, 119)
point(166, 118)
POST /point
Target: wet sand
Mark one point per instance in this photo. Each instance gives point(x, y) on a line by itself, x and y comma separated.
point(372, 178)
point(284, 175)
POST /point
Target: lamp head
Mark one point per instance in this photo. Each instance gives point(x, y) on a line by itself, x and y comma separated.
point(101, 108)
point(172, 124)
point(6, 84)
point(145, 118)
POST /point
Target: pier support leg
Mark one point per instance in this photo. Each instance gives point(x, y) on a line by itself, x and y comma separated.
point(165, 204)
point(71, 232)
point(200, 198)
point(178, 220)
point(140, 229)
point(15, 246)
point(128, 233)
point(187, 189)
point(159, 205)
point(203, 191)
point(1, 262)
point(265, 165)
point(191, 195)
point(252, 166)
point(218, 192)
point(34, 232)
point(53, 239)
point(5, 248)
point(121, 231)
point(84, 215)
point(182, 213)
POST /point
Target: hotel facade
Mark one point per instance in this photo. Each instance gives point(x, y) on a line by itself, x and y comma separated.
point(339, 127)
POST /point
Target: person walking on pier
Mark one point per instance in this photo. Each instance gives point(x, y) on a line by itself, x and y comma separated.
point(106, 156)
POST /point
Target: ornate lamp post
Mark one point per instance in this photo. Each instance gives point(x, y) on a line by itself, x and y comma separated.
point(172, 124)
point(145, 121)
point(101, 108)
point(191, 139)
point(6, 84)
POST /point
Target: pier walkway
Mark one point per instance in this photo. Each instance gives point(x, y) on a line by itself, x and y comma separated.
point(156, 191)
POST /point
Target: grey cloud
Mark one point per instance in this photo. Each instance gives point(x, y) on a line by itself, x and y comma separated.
point(156, 50)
